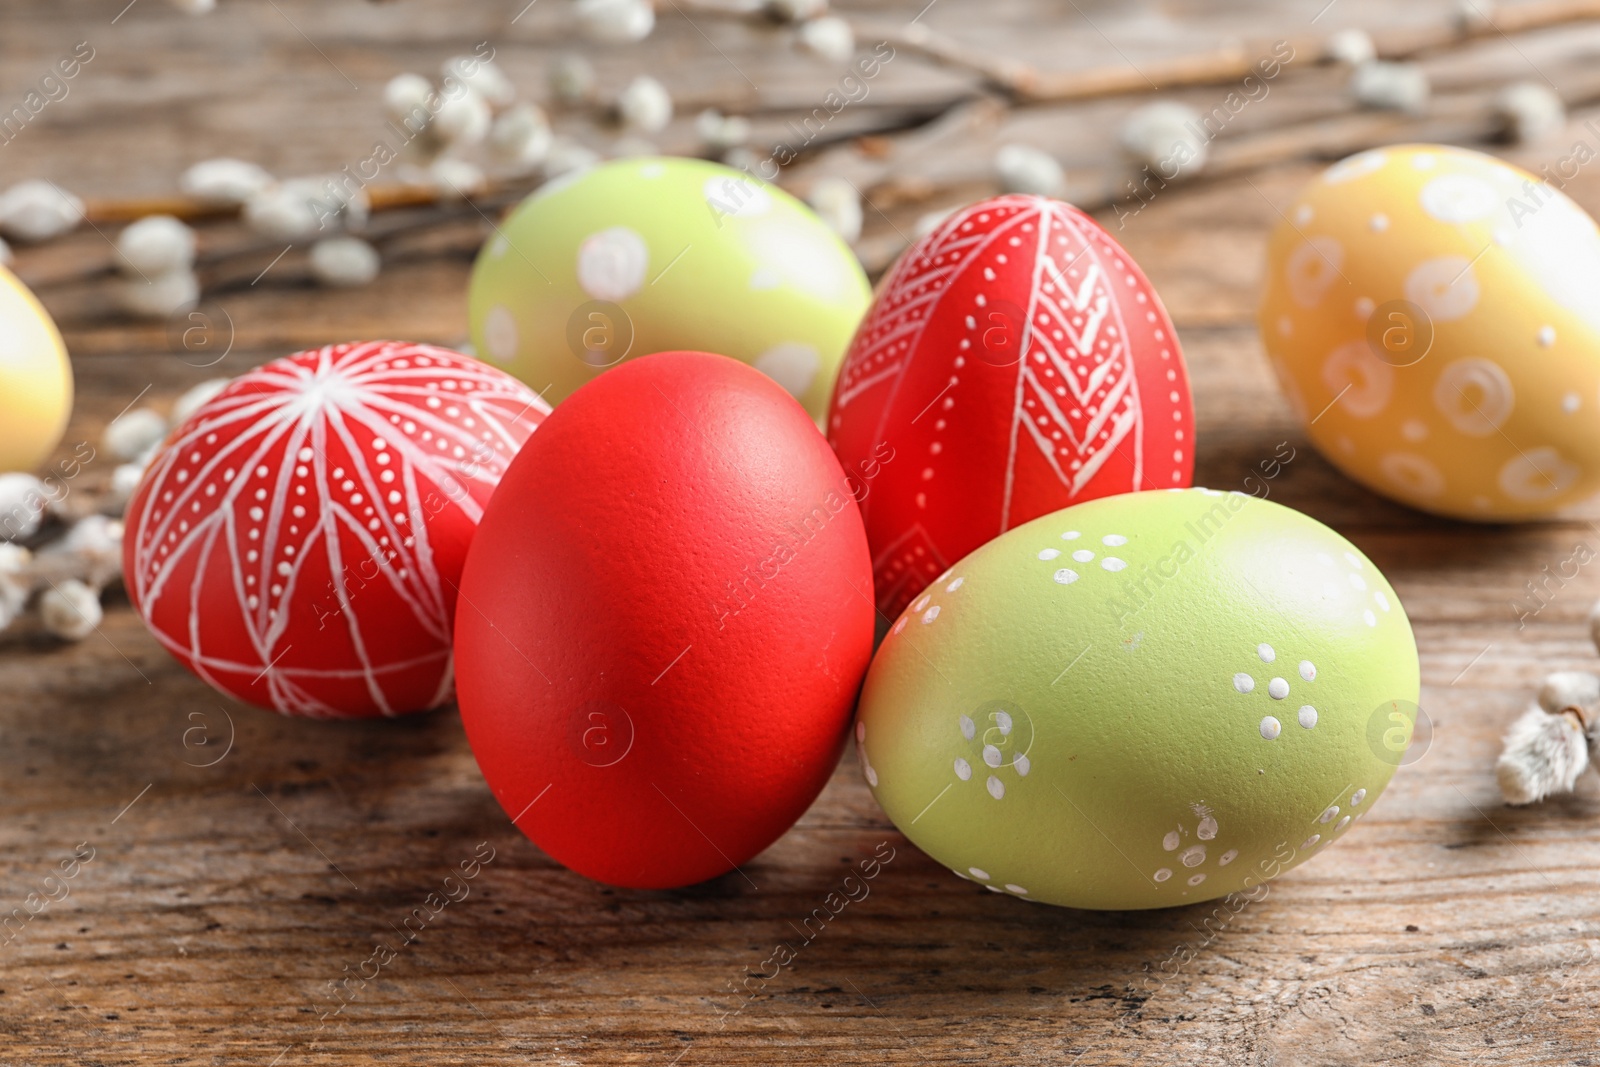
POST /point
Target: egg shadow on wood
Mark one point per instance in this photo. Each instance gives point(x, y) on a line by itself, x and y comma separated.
point(1385, 530)
point(1281, 465)
point(921, 936)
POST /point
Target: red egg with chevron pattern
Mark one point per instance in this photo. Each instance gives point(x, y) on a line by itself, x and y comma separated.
point(298, 541)
point(1013, 362)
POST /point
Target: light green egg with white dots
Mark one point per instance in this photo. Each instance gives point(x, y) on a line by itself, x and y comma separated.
point(1146, 700)
point(659, 254)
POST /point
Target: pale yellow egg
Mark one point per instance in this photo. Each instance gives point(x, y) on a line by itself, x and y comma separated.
point(35, 379)
point(1433, 315)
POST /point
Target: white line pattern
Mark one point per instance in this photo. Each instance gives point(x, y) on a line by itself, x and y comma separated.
point(905, 566)
point(1076, 391)
point(1065, 343)
point(297, 542)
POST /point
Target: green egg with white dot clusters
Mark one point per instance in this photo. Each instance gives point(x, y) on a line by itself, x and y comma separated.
point(661, 254)
point(1145, 700)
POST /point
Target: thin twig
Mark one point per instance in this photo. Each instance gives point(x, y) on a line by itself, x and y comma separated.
point(1217, 66)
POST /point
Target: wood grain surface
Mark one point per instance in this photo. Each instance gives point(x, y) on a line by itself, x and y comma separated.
point(243, 863)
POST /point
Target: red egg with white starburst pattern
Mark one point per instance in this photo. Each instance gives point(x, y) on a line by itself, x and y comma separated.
point(298, 541)
point(1014, 361)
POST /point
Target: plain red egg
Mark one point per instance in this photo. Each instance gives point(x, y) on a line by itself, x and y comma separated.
point(1013, 362)
point(665, 619)
point(298, 542)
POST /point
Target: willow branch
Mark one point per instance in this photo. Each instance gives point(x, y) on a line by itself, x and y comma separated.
point(1218, 66)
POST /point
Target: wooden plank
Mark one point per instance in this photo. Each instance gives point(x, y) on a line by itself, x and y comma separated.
point(223, 899)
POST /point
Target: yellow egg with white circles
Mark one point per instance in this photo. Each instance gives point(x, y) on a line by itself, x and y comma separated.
point(35, 379)
point(1433, 315)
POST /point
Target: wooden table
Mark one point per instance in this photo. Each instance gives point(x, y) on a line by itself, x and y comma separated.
point(243, 862)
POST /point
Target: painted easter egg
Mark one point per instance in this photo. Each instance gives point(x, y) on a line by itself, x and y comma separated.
point(1433, 315)
point(35, 379)
point(1014, 361)
point(298, 541)
point(652, 255)
point(659, 674)
point(1145, 700)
